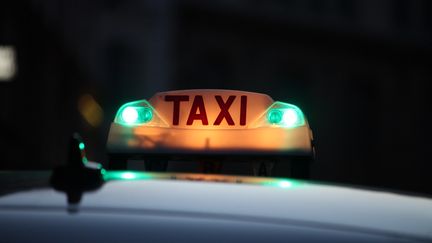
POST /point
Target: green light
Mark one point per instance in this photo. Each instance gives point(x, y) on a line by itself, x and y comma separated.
point(275, 116)
point(129, 115)
point(134, 115)
point(146, 114)
point(81, 146)
point(290, 117)
point(285, 115)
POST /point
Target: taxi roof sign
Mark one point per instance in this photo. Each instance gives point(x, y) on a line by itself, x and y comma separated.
point(209, 121)
point(210, 109)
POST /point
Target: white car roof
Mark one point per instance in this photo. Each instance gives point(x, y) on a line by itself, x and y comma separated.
point(308, 202)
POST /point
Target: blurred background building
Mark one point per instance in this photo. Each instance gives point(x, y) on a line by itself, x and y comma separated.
point(361, 71)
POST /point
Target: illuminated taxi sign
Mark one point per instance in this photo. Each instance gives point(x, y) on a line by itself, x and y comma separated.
point(198, 110)
point(209, 121)
point(210, 109)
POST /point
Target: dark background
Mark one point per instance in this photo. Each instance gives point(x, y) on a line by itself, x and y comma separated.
point(360, 70)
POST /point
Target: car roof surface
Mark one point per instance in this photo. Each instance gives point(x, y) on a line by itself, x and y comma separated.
point(302, 203)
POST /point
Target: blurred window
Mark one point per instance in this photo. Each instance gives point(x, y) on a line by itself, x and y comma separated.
point(7, 63)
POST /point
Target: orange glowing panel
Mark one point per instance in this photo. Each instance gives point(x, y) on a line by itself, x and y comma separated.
point(208, 121)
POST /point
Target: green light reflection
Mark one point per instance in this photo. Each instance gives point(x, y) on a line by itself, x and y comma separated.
point(135, 175)
point(126, 175)
point(283, 183)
